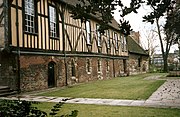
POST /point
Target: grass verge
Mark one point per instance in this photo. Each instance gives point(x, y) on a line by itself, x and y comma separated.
point(112, 111)
point(132, 87)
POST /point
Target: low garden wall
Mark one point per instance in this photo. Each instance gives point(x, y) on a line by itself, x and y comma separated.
point(175, 73)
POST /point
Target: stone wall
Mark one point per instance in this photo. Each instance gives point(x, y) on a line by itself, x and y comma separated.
point(34, 70)
point(138, 64)
point(8, 70)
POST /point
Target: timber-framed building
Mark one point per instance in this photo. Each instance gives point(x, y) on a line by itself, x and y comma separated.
point(42, 46)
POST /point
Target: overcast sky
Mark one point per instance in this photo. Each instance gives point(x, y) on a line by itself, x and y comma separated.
point(134, 19)
point(137, 24)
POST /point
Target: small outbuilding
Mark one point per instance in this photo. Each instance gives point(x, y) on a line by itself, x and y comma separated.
point(138, 57)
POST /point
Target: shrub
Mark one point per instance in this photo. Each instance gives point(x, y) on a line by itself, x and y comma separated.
point(18, 108)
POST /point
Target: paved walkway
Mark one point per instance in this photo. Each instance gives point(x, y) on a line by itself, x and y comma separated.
point(168, 95)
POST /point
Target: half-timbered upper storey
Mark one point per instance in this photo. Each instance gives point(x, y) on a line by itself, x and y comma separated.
point(47, 26)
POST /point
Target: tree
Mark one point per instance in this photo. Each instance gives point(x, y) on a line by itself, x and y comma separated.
point(151, 37)
point(173, 23)
point(159, 10)
point(104, 9)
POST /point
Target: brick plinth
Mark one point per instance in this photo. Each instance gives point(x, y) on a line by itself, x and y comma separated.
point(35, 74)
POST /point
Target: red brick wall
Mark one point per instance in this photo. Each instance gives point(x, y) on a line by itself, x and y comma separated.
point(34, 70)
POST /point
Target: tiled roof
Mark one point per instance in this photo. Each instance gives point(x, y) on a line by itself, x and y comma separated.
point(114, 23)
point(134, 47)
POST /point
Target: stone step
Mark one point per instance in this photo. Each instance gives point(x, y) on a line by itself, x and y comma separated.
point(5, 91)
point(8, 93)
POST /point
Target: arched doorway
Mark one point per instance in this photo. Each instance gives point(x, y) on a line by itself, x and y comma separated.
point(51, 75)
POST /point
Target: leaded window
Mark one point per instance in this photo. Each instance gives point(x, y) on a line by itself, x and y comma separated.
point(88, 32)
point(53, 21)
point(29, 16)
point(98, 35)
point(108, 39)
point(139, 62)
point(125, 65)
point(122, 42)
point(125, 43)
point(73, 71)
point(116, 40)
point(88, 66)
point(107, 65)
point(99, 65)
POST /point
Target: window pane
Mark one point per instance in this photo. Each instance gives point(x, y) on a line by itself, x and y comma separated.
point(98, 35)
point(88, 30)
point(29, 16)
point(125, 44)
point(108, 39)
point(88, 65)
point(116, 40)
point(53, 21)
point(99, 65)
point(88, 26)
point(122, 42)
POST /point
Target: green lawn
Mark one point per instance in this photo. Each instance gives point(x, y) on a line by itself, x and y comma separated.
point(112, 111)
point(132, 87)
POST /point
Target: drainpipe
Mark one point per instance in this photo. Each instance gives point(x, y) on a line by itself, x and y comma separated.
point(6, 24)
point(64, 49)
point(18, 49)
point(179, 49)
point(114, 64)
point(113, 68)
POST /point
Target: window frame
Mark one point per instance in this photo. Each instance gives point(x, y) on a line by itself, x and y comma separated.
point(30, 19)
point(116, 40)
point(122, 42)
point(139, 61)
point(56, 22)
point(88, 66)
point(125, 65)
point(99, 66)
point(98, 36)
point(88, 32)
point(108, 39)
point(125, 43)
point(107, 66)
point(73, 69)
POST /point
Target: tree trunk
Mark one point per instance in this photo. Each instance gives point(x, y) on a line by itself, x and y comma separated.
point(164, 54)
point(165, 68)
